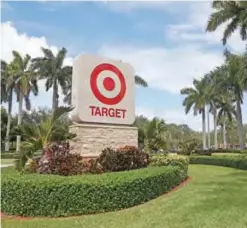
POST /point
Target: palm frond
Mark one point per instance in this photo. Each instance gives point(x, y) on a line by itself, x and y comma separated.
point(140, 81)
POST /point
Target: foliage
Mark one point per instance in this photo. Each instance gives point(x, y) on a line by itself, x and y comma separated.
point(124, 158)
point(57, 159)
point(188, 146)
point(203, 152)
point(172, 160)
point(238, 161)
point(38, 135)
point(4, 120)
point(231, 12)
point(154, 135)
point(51, 68)
point(14, 155)
point(51, 195)
point(234, 151)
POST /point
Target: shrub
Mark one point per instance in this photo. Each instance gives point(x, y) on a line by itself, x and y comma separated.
point(53, 195)
point(91, 165)
point(124, 158)
point(203, 152)
point(57, 159)
point(188, 146)
point(172, 160)
point(238, 162)
point(234, 151)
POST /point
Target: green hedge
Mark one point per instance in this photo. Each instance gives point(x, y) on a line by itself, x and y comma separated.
point(238, 162)
point(172, 160)
point(50, 195)
point(14, 155)
point(234, 151)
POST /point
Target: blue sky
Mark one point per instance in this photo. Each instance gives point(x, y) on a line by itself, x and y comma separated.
point(164, 41)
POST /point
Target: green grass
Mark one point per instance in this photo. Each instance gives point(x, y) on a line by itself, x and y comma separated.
point(7, 161)
point(215, 198)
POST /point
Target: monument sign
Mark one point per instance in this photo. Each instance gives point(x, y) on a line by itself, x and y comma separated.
point(103, 97)
point(103, 91)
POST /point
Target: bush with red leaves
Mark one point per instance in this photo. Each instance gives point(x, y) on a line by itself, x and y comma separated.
point(57, 159)
point(124, 158)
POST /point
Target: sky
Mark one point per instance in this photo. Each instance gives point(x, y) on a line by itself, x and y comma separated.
point(165, 42)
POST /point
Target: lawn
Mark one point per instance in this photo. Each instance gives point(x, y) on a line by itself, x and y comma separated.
point(7, 161)
point(216, 197)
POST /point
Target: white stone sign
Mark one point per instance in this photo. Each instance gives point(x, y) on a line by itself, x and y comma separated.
point(103, 91)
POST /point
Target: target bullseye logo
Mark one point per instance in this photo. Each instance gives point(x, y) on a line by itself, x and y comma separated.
point(109, 84)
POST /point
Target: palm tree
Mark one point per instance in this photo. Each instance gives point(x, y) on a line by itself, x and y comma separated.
point(234, 83)
point(154, 135)
point(7, 86)
point(233, 11)
point(196, 98)
point(226, 112)
point(39, 134)
point(50, 67)
point(25, 82)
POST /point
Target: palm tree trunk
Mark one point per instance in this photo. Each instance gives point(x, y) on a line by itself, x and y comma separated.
point(54, 97)
point(224, 133)
point(18, 141)
point(208, 127)
point(203, 129)
point(215, 129)
point(9, 120)
point(240, 125)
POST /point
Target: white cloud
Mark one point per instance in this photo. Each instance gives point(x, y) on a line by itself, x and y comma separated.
point(194, 29)
point(24, 44)
point(167, 68)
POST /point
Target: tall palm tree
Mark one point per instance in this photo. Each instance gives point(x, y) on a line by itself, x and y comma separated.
point(233, 11)
point(51, 68)
point(154, 134)
point(234, 82)
point(196, 99)
point(226, 112)
point(25, 82)
point(7, 87)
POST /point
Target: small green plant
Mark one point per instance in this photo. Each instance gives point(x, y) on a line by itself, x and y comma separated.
point(37, 136)
point(188, 146)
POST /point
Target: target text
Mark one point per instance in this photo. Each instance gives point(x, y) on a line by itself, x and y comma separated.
point(107, 112)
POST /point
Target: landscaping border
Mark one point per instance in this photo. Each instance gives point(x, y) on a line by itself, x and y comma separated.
point(238, 161)
point(57, 196)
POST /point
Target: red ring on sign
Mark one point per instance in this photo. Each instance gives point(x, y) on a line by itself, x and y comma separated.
point(93, 83)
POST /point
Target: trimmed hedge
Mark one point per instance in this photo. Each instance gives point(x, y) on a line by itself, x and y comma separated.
point(202, 152)
point(14, 155)
point(51, 195)
point(172, 160)
point(238, 162)
point(234, 151)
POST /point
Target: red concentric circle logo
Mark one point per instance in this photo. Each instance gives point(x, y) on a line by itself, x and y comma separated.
point(108, 84)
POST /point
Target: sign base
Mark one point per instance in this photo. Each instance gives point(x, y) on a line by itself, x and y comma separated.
point(91, 139)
